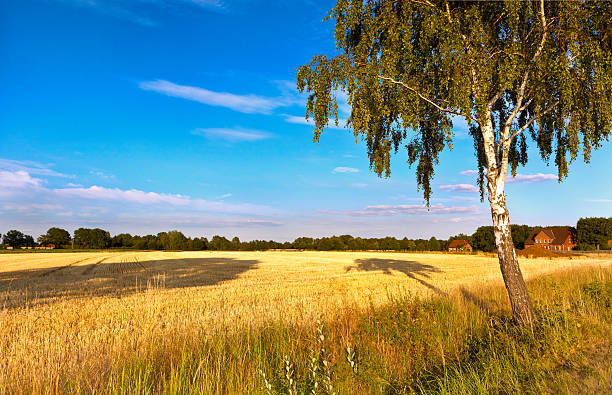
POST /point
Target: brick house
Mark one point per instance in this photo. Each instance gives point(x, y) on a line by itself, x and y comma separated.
point(459, 245)
point(45, 247)
point(559, 238)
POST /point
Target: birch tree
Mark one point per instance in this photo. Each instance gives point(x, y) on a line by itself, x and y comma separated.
point(519, 73)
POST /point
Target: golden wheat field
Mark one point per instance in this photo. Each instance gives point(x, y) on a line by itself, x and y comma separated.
point(84, 311)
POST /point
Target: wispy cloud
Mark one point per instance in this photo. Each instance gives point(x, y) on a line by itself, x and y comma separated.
point(406, 209)
point(461, 188)
point(23, 189)
point(101, 174)
point(599, 200)
point(30, 167)
point(520, 178)
point(249, 104)
point(225, 196)
point(130, 196)
point(233, 135)
point(344, 169)
point(139, 11)
point(531, 178)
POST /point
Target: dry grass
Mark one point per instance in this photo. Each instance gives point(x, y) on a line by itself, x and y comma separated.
point(79, 315)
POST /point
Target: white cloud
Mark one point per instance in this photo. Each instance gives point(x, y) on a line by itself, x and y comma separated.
point(599, 200)
point(406, 209)
point(17, 180)
point(233, 135)
point(100, 174)
point(249, 104)
point(531, 178)
point(461, 188)
point(344, 169)
point(19, 190)
point(359, 185)
point(27, 207)
point(468, 172)
point(115, 194)
point(224, 196)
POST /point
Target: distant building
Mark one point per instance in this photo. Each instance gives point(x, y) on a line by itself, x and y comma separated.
point(46, 247)
point(559, 238)
point(459, 245)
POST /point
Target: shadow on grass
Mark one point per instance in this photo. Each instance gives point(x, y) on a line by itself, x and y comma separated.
point(95, 277)
point(414, 270)
point(487, 306)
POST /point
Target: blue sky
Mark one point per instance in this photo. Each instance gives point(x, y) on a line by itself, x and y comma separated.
point(147, 115)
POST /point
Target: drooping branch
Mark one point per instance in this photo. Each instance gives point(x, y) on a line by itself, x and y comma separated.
point(425, 98)
point(531, 120)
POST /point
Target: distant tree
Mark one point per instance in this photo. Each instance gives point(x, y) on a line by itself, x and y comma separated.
point(433, 244)
point(198, 244)
point(91, 238)
point(16, 239)
point(29, 241)
point(389, 243)
point(56, 236)
point(303, 243)
point(520, 233)
point(420, 245)
point(484, 239)
point(220, 243)
point(407, 245)
point(175, 240)
point(325, 244)
point(139, 242)
point(153, 244)
point(122, 240)
point(593, 232)
point(509, 68)
point(236, 243)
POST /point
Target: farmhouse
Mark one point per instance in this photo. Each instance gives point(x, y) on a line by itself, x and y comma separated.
point(459, 245)
point(561, 238)
point(46, 247)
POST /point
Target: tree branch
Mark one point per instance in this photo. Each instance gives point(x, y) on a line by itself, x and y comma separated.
point(420, 95)
point(496, 97)
point(423, 97)
point(521, 94)
point(531, 120)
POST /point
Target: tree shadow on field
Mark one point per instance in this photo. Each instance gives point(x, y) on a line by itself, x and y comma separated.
point(415, 270)
point(95, 277)
point(487, 306)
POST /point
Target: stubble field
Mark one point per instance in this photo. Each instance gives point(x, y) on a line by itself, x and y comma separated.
point(78, 313)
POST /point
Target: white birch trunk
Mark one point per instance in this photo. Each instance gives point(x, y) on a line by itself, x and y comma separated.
point(522, 308)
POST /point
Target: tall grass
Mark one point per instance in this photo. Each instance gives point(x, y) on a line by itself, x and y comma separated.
point(460, 343)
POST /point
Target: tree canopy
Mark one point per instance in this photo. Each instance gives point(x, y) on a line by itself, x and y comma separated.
point(55, 236)
point(529, 69)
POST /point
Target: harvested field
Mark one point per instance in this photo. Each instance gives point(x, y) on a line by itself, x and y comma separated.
point(84, 312)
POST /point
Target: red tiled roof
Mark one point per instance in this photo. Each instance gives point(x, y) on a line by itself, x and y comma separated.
point(458, 243)
point(558, 234)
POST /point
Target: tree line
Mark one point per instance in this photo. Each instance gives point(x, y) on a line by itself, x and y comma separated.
point(592, 233)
